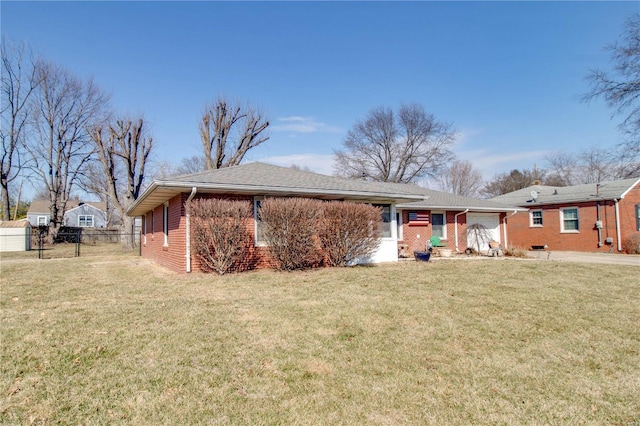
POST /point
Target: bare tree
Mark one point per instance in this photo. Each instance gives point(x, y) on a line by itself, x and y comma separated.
point(461, 178)
point(620, 88)
point(123, 151)
point(19, 80)
point(562, 167)
point(64, 107)
point(228, 131)
point(193, 164)
point(591, 165)
point(503, 183)
point(402, 148)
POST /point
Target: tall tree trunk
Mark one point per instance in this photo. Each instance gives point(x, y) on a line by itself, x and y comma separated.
point(6, 203)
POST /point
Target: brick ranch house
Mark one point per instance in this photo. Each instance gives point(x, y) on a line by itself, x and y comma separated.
point(166, 224)
point(589, 217)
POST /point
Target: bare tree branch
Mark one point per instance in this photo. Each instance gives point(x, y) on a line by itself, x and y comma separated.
point(64, 108)
point(620, 89)
point(123, 151)
point(19, 80)
point(461, 178)
point(388, 149)
point(228, 131)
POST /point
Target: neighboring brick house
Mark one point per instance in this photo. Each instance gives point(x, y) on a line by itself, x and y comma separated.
point(165, 224)
point(589, 217)
point(78, 214)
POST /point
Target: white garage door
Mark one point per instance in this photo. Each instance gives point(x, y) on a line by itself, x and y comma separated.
point(488, 230)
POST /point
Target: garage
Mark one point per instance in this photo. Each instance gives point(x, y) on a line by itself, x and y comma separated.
point(488, 230)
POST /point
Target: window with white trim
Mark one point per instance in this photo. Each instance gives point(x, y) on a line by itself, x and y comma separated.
point(637, 217)
point(569, 220)
point(42, 220)
point(165, 223)
point(438, 225)
point(144, 229)
point(85, 221)
point(535, 217)
point(257, 220)
point(386, 220)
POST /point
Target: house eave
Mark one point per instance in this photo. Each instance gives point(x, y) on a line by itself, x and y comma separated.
point(506, 209)
point(159, 192)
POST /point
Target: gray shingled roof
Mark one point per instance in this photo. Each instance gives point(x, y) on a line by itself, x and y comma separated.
point(42, 206)
point(568, 194)
point(438, 200)
point(265, 179)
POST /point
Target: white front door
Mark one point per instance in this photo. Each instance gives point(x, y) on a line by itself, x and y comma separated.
point(482, 228)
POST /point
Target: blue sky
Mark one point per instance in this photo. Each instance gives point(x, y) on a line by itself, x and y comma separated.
point(508, 75)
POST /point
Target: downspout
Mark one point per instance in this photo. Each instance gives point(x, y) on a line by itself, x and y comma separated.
point(504, 226)
point(599, 223)
point(188, 227)
point(455, 226)
point(615, 200)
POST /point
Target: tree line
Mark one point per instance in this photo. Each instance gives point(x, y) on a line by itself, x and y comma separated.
point(60, 132)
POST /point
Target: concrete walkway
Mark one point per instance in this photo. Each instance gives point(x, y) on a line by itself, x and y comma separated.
point(576, 256)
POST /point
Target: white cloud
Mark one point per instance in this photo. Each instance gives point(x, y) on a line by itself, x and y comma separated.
point(297, 124)
point(315, 162)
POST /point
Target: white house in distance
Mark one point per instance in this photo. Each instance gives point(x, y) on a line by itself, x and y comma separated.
point(79, 214)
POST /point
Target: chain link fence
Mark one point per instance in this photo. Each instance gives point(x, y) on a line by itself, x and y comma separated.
point(69, 242)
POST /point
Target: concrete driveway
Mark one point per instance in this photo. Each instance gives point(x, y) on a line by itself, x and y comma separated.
point(576, 256)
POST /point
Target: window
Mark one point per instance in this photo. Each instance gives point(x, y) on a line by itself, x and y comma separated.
point(165, 223)
point(42, 220)
point(85, 221)
point(386, 219)
point(637, 217)
point(536, 217)
point(438, 225)
point(259, 232)
point(144, 230)
point(569, 220)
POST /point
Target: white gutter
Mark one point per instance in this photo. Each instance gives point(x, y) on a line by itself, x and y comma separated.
point(504, 225)
point(188, 227)
point(615, 200)
point(455, 227)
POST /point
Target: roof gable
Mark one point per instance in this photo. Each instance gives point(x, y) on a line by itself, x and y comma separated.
point(85, 206)
point(42, 206)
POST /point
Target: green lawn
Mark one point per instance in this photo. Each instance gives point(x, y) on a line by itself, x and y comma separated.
point(117, 340)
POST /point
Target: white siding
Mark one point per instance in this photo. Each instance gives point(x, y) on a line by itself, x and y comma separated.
point(15, 239)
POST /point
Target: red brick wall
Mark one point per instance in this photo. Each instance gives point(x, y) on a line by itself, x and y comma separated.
point(521, 234)
point(627, 207)
point(417, 236)
point(173, 255)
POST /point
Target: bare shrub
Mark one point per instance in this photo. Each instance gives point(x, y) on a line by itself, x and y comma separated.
point(289, 226)
point(478, 235)
point(221, 237)
point(515, 252)
point(631, 244)
point(349, 231)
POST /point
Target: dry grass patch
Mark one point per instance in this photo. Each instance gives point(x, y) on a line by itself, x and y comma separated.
point(472, 342)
